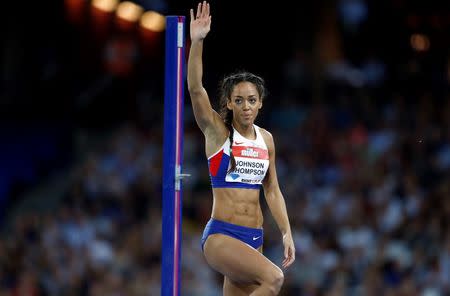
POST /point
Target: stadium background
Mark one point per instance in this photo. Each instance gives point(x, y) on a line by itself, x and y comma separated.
point(358, 105)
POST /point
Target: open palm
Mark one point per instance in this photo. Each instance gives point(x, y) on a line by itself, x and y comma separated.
point(201, 23)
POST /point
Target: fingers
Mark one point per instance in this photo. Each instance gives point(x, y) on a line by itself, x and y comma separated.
point(202, 10)
point(199, 10)
point(289, 257)
point(205, 9)
point(192, 14)
point(287, 262)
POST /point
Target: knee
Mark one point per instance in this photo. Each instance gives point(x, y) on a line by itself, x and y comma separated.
point(276, 281)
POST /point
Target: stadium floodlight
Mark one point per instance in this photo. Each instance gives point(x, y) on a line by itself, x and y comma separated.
point(153, 21)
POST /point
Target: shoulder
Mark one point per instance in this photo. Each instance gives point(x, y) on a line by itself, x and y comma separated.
point(267, 136)
point(265, 133)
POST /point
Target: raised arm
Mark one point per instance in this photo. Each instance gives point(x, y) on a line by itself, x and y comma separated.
point(276, 203)
point(199, 28)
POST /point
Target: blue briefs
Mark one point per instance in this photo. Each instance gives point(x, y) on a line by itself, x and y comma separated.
point(250, 236)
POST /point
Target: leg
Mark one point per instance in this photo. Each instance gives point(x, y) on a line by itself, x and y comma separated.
point(231, 288)
point(242, 265)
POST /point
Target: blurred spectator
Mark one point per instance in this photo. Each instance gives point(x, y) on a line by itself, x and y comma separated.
point(363, 151)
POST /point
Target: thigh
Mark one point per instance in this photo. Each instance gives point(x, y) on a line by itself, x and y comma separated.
point(238, 261)
point(231, 288)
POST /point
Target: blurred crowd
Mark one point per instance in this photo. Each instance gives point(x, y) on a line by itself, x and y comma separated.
point(366, 184)
point(363, 161)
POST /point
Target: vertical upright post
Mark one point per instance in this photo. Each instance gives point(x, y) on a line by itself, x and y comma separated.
point(172, 156)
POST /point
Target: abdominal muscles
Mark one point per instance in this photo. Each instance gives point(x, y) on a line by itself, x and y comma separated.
point(237, 206)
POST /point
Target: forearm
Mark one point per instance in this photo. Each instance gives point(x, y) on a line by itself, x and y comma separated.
point(277, 207)
point(195, 67)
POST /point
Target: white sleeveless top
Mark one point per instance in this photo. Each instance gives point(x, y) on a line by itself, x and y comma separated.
point(252, 162)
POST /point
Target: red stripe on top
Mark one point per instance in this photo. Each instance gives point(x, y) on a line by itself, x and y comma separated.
point(214, 163)
point(250, 152)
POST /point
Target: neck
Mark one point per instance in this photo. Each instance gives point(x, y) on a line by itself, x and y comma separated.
point(247, 131)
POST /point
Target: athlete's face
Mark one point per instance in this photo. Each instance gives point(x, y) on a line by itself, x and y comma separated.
point(245, 103)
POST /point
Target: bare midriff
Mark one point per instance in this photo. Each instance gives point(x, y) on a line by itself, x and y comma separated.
point(238, 206)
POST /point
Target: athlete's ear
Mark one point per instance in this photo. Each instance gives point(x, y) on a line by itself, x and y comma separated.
point(229, 105)
point(260, 105)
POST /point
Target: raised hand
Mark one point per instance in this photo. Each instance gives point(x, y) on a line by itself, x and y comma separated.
point(201, 23)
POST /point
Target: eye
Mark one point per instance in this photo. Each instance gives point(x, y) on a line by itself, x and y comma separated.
point(238, 101)
point(252, 101)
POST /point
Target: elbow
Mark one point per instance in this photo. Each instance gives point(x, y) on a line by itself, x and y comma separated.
point(193, 85)
point(195, 90)
point(273, 195)
point(194, 82)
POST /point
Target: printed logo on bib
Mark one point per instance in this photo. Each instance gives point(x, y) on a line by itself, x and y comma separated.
point(250, 152)
point(234, 176)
